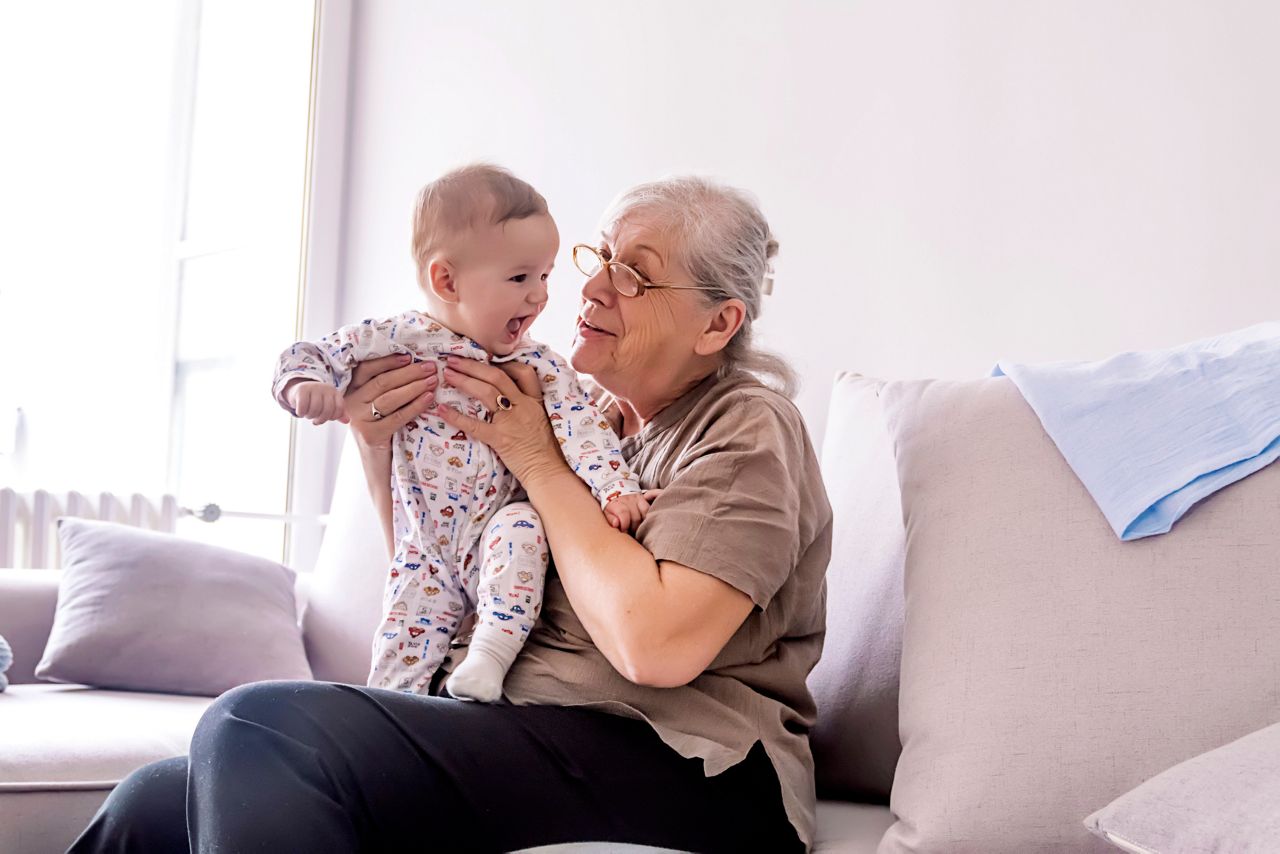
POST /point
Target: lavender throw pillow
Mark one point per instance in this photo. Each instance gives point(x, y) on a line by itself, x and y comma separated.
point(146, 611)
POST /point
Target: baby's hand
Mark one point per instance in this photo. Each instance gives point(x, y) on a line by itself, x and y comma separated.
point(318, 401)
point(626, 512)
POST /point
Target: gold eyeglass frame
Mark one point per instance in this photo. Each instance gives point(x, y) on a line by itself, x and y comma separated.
point(642, 282)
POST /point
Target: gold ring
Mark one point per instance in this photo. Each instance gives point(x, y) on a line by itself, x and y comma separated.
point(377, 416)
point(504, 402)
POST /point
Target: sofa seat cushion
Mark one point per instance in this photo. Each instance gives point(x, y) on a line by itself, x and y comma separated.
point(72, 739)
point(843, 827)
point(75, 737)
point(850, 828)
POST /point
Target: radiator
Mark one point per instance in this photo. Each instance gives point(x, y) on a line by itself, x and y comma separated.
point(29, 538)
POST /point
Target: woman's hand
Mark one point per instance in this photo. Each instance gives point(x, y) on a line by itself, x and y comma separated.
point(398, 390)
point(521, 435)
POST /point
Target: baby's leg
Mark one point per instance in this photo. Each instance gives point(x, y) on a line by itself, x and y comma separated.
point(513, 565)
point(423, 607)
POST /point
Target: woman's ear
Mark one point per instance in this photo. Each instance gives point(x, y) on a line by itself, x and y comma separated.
point(723, 323)
point(440, 280)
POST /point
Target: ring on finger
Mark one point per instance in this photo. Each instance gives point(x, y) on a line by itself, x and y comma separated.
point(377, 416)
point(504, 402)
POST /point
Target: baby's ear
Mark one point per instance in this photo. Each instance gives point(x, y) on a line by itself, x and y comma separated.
point(439, 280)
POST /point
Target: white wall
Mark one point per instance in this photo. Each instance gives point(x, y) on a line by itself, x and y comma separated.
point(951, 183)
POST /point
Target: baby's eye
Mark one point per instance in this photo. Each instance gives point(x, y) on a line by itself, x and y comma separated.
point(545, 276)
point(520, 278)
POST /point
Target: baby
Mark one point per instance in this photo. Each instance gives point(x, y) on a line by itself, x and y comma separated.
point(484, 244)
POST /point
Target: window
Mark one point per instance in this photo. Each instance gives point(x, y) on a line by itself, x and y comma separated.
point(155, 200)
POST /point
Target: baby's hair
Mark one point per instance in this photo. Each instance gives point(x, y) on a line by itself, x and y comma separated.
point(467, 197)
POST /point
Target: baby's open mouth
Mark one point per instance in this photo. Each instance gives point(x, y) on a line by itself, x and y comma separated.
point(517, 325)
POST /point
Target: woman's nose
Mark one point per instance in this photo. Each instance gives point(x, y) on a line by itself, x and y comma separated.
point(598, 289)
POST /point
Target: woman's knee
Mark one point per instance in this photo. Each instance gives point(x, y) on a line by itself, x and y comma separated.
point(271, 703)
point(146, 811)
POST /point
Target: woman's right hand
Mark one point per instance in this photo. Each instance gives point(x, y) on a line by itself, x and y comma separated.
point(399, 391)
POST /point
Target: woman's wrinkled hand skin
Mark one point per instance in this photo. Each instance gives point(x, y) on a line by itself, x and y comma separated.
point(400, 391)
point(522, 435)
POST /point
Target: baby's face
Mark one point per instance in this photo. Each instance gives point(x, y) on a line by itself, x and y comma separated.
point(501, 278)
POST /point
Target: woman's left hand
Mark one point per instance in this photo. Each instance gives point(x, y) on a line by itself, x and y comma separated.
point(521, 435)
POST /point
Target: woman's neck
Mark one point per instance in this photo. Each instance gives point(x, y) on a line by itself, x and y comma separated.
point(640, 405)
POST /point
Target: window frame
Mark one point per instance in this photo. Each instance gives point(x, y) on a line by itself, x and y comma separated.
point(314, 453)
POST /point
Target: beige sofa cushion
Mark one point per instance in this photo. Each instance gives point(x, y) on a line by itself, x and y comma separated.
point(63, 748)
point(855, 684)
point(1047, 667)
point(73, 736)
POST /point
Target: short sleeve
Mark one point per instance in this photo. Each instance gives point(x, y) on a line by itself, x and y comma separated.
point(732, 507)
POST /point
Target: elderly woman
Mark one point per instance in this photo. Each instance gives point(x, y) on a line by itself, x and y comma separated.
point(661, 698)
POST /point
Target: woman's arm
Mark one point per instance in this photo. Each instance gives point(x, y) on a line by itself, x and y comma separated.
point(658, 623)
point(400, 392)
point(377, 475)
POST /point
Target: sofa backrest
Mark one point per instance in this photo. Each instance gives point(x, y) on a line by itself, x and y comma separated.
point(344, 595)
point(28, 598)
point(855, 742)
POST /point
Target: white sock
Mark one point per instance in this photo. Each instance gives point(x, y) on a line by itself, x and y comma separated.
point(480, 675)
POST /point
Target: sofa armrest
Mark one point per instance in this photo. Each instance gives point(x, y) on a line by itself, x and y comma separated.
point(28, 598)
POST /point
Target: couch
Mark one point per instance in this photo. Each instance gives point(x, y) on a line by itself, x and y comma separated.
point(997, 665)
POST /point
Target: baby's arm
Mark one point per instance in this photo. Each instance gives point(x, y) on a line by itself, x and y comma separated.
point(311, 377)
point(587, 441)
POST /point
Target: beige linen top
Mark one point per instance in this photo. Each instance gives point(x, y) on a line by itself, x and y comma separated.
point(744, 502)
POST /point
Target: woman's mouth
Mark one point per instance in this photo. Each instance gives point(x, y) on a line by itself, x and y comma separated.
point(586, 330)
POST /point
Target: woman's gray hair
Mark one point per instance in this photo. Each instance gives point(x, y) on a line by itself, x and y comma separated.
point(724, 241)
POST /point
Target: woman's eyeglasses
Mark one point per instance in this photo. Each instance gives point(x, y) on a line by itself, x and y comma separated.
point(624, 279)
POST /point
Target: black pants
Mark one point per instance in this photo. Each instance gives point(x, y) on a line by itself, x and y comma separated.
point(288, 766)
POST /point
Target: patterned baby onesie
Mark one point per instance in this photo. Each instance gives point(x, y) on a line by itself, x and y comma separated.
point(464, 538)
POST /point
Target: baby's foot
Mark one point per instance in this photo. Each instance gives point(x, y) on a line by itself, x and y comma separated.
point(479, 676)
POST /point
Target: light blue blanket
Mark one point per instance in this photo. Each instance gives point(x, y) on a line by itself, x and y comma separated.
point(1151, 433)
